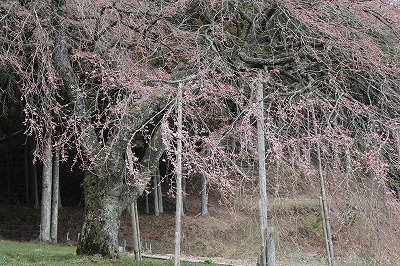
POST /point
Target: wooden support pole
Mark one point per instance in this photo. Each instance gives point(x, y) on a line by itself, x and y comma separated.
point(138, 230)
point(159, 193)
point(135, 231)
point(155, 194)
point(321, 204)
point(328, 229)
point(270, 247)
point(324, 211)
point(178, 222)
point(263, 256)
point(263, 205)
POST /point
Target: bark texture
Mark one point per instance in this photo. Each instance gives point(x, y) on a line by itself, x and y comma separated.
point(179, 211)
point(106, 196)
point(262, 172)
point(204, 207)
point(46, 194)
point(55, 197)
point(99, 233)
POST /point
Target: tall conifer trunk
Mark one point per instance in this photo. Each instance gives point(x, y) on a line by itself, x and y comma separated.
point(46, 193)
point(55, 197)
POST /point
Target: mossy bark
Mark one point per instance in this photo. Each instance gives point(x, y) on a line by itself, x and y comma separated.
point(106, 196)
point(103, 209)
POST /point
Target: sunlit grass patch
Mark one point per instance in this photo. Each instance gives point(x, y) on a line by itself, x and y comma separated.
point(30, 253)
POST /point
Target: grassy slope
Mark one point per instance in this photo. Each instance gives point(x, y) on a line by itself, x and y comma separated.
point(226, 233)
point(30, 253)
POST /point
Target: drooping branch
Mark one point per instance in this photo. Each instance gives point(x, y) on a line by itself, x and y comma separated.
point(385, 21)
point(141, 112)
point(70, 82)
point(150, 164)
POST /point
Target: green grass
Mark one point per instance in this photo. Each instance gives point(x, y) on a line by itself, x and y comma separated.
point(30, 253)
point(362, 264)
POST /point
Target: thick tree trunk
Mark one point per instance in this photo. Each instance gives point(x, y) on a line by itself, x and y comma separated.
point(106, 194)
point(103, 209)
point(99, 233)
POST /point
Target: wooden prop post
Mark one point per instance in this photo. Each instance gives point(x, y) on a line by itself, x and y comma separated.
point(267, 241)
point(159, 193)
point(136, 231)
point(178, 179)
point(323, 201)
point(155, 194)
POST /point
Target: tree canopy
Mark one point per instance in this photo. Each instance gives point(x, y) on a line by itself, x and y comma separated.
point(102, 74)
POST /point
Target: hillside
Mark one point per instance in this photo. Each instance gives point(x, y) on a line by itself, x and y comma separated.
point(226, 233)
